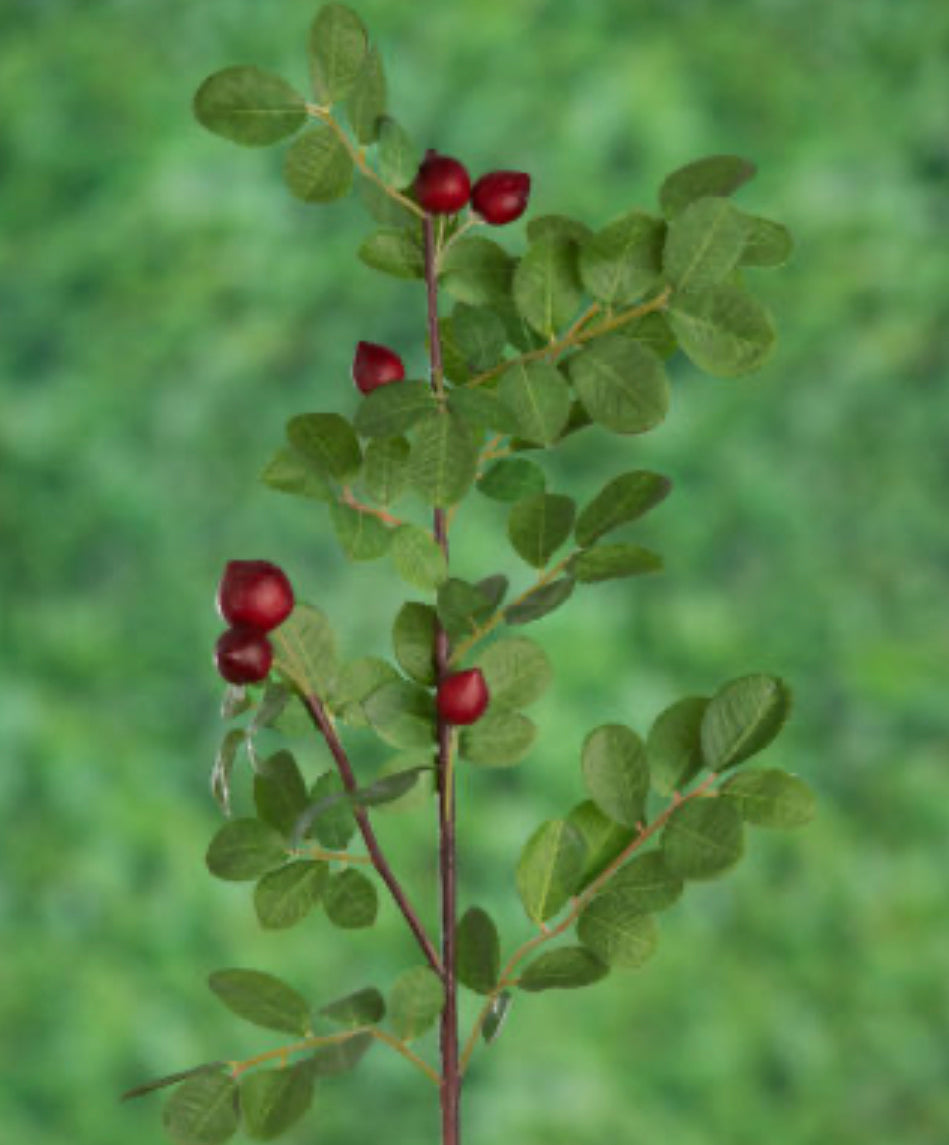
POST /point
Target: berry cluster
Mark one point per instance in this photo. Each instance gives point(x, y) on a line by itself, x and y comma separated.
point(443, 187)
point(255, 597)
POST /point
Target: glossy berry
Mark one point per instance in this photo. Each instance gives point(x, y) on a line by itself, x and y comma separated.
point(463, 697)
point(254, 594)
point(375, 366)
point(243, 655)
point(442, 185)
point(501, 196)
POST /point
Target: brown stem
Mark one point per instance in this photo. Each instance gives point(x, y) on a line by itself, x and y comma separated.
point(451, 1075)
point(322, 721)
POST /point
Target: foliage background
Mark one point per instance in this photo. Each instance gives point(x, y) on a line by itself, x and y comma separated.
point(165, 306)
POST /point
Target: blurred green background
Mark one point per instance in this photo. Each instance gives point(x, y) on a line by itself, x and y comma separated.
point(165, 306)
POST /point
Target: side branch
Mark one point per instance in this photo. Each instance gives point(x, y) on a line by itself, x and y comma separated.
point(321, 719)
point(577, 905)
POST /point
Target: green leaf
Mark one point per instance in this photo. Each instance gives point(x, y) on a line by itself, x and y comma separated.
point(288, 472)
point(412, 775)
point(337, 49)
point(351, 900)
point(413, 639)
point(274, 1099)
point(643, 886)
point(493, 589)
point(394, 408)
point(544, 227)
point(516, 670)
point(398, 155)
point(621, 262)
point(713, 175)
point(362, 536)
point(454, 365)
point(280, 792)
point(335, 826)
point(224, 766)
point(402, 714)
point(653, 331)
point(318, 168)
point(332, 1060)
point(202, 1111)
point(395, 251)
point(477, 271)
point(538, 525)
point(499, 739)
point(497, 1014)
point(305, 650)
point(703, 838)
point(480, 335)
point(328, 442)
point(171, 1079)
point(482, 409)
point(417, 557)
point(511, 479)
point(385, 468)
point(539, 398)
point(615, 773)
point(724, 331)
point(547, 288)
point(621, 383)
point(743, 717)
point(415, 1002)
point(768, 797)
point(608, 562)
point(384, 209)
point(478, 951)
point(617, 935)
point(367, 101)
point(626, 498)
point(244, 849)
point(549, 869)
point(284, 897)
point(563, 969)
point(541, 601)
point(389, 788)
point(704, 244)
point(605, 839)
point(262, 999)
point(249, 106)
point(361, 1008)
point(767, 243)
point(674, 744)
point(444, 458)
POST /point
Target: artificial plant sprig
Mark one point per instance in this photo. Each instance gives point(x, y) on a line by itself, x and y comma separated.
point(570, 335)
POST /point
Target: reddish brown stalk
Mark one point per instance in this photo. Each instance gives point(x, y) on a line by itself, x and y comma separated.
point(322, 721)
point(451, 1074)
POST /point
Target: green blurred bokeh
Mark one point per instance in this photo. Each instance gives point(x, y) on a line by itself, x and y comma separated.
point(165, 306)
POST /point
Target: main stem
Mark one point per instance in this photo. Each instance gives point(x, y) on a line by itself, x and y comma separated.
point(451, 1074)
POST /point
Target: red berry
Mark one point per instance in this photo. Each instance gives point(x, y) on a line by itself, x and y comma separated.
point(254, 594)
point(462, 697)
point(375, 366)
point(442, 185)
point(501, 196)
point(243, 655)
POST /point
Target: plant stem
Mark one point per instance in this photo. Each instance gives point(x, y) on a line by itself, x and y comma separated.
point(578, 334)
point(321, 719)
point(576, 907)
point(451, 1075)
point(325, 116)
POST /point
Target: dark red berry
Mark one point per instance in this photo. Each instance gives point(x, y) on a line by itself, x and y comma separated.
point(243, 655)
point(375, 366)
point(442, 185)
point(254, 594)
point(463, 697)
point(501, 196)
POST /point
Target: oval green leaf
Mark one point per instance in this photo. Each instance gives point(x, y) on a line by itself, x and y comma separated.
point(615, 773)
point(742, 718)
point(768, 797)
point(550, 868)
point(262, 999)
point(202, 1110)
point(703, 838)
point(249, 106)
point(621, 383)
point(284, 897)
point(244, 849)
point(567, 968)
